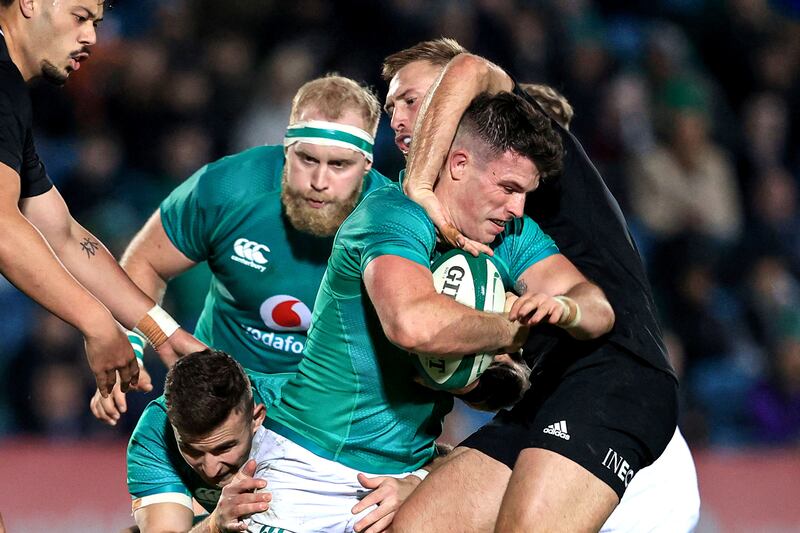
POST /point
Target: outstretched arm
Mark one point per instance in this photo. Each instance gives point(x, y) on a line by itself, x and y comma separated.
point(86, 258)
point(464, 78)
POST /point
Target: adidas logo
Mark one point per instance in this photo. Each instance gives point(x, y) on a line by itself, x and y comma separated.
point(559, 429)
point(250, 253)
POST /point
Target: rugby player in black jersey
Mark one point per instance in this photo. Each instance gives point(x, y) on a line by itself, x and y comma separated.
point(43, 250)
point(597, 412)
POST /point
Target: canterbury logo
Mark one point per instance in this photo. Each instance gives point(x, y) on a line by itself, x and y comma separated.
point(250, 253)
point(559, 429)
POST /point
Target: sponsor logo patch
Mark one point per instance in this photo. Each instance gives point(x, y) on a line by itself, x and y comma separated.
point(250, 253)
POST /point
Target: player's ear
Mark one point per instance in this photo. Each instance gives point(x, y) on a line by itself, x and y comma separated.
point(259, 413)
point(26, 7)
point(367, 166)
point(457, 161)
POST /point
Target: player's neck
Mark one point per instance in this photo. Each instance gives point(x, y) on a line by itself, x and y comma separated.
point(14, 38)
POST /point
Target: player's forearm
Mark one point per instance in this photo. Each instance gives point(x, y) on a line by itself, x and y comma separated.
point(93, 265)
point(465, 77)
point(206, 525)
point(29, 263)
point(445, 328)
point(596, 314)
point(142, 273)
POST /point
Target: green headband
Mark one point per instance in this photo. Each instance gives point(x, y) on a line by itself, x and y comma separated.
point(325, 133)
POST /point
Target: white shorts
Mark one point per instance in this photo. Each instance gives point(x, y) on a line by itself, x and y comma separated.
point(662, 498)
point(309, 493)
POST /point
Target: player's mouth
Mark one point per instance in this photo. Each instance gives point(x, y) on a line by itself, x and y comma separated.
point(403, 142)
point(500, 225)
point(75, 60)
point(316, 203)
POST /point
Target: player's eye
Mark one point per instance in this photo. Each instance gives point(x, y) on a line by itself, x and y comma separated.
point(410, 101)
point(81, 19)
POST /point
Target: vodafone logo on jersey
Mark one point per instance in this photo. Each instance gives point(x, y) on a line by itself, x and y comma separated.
point(285, 313)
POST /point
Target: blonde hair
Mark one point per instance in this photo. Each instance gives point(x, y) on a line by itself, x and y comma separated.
point(332, 95)
point(438, 52)
point(553, 102)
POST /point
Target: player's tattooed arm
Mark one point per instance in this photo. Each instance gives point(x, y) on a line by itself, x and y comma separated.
point(90, 246)
point(520, 287)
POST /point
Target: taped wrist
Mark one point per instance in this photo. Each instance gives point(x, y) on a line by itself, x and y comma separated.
point(421, 473)
point(568, 319)
point(156, 326)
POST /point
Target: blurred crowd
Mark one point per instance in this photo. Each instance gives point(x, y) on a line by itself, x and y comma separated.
point(689, 109)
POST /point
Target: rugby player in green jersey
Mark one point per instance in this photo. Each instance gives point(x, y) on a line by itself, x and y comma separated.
point(263, 220)
point(194, 442)
point(352, 406)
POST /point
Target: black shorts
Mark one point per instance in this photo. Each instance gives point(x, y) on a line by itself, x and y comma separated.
point(608, 411)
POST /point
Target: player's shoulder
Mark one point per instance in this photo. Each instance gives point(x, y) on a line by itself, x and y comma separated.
point(151, 428)
point(374, 180)
point(14, 93)
point(241, 175)
point(388, 204)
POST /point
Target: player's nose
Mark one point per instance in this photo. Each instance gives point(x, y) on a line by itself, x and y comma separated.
point(399, 122)
point(516, 205)
point(319, 178)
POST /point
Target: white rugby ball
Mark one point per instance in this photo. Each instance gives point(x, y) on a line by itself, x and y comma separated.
point(476, 283)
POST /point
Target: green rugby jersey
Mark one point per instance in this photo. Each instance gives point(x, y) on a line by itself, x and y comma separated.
point(265, 273)
point(156, 471)
point(353, 398)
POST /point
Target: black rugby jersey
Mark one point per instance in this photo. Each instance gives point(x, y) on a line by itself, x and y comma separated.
point(16, 129)
point(584, 219)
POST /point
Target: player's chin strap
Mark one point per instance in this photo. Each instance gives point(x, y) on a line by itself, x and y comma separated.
point(156, 326)
point(325, 133)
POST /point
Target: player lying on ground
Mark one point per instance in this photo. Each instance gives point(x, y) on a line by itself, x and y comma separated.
point(202, 440)
point(573, 384)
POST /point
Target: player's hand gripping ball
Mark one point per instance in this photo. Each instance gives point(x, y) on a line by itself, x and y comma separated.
point(476, 283)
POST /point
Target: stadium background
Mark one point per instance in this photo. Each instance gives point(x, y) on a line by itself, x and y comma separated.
point(689, 108)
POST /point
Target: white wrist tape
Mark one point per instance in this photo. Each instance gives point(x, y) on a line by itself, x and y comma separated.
point(156, 326)
point(564, 301)
point(421, 473)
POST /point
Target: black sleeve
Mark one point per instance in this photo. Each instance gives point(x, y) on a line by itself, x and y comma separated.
point(17, 149)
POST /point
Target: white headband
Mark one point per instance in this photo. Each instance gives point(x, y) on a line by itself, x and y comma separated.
point(325, 133)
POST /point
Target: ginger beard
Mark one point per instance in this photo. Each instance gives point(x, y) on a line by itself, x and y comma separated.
point(318, 221)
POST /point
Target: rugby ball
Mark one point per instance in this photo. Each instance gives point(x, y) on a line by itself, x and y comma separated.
point(476, 283)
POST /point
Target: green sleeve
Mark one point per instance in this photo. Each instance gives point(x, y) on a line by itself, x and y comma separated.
point(524, 244)
point(394, 225)
point(150, 469)
point(188, 219)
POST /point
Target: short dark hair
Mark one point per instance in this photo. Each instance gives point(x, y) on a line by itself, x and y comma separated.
point(202, 390)
point(504, 122)
point(438, 52)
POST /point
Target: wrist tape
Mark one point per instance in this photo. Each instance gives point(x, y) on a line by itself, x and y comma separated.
point(565, 301)
point(421, 473)
point(156, 326)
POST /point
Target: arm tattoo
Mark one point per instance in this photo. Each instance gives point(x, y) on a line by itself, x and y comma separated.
point(90, 247)
point(520, 287)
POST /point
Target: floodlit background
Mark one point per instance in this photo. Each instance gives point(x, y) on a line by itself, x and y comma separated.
point(689, 108)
